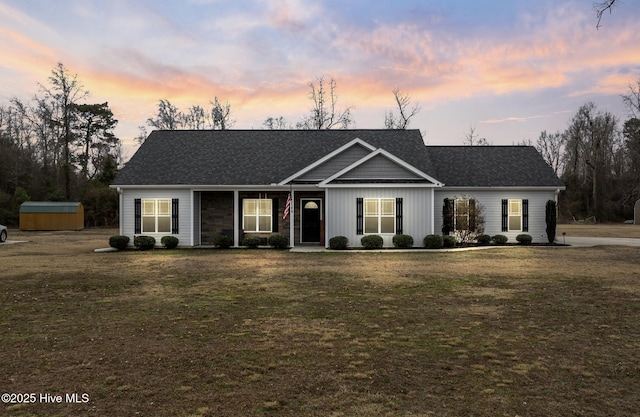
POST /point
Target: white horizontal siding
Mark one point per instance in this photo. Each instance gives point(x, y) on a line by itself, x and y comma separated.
point(491, 203)
point(341, 212)
point(127, 215)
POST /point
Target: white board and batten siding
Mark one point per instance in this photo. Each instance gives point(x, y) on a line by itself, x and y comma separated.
point(341, 218)
point(127, 214)
point(491, 203)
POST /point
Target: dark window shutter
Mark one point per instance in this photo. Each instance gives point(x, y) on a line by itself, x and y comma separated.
point(399, 216)
point(137, 212)
point(472, 215)
point(274, 215)
point(525, 215)
point(174, 216)
point(505, 215)
point(359, 216)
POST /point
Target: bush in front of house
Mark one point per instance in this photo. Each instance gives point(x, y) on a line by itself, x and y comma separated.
point(500, 239)
point(433, 241)
point(222, 241)
point(524, 239)
point(403, 241)
point(484, 240)
point(251, 242)
point(144, 242)
point(338, 243)
point(372, 242)
point(119, 242)
point(278, 241)
point(449, 241)
point(169, 242)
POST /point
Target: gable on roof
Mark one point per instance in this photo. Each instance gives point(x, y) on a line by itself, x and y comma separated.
point(380, 167)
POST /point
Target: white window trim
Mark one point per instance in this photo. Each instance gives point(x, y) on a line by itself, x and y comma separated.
point(379, 216)
point(456, 215)
point(257, 215)
point(511, 214)
point(156, 214)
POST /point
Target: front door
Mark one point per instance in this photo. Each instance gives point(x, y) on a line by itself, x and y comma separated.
point(311, 220)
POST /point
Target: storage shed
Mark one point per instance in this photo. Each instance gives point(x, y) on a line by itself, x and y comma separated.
point(51, 215)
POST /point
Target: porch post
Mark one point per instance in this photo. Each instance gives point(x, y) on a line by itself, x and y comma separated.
point(292, 220)
point(236, 219)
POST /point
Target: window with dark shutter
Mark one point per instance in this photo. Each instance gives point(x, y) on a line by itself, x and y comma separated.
point(274, 215)
point(174, 216)
point(525, 215)
point(359, 216)
point(472, 215)
point(399, 216)
point(137, 213)
point(505, 215)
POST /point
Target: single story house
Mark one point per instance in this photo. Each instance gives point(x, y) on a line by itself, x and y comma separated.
point(312, 185)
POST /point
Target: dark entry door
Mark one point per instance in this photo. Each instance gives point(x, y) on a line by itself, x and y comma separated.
point(311, 214)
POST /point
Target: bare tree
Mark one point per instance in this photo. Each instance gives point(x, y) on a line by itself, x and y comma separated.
point(221, 114)
point(601, 7)
point(406, 111)
point(196, 119)
point(168, 117)
point(276, 123)
point(551, 147)
point(472, 138)
point(632, 99)
point(324, 113)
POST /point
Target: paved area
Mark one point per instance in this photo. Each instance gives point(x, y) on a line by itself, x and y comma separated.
point(599, 241)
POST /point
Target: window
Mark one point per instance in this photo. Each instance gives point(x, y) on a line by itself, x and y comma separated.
point(462, 214)
point(257, 215)
point(515, 215)
point(379, 215)
point(156, 216)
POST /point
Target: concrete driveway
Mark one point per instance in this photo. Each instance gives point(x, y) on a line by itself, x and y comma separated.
point(598, 241)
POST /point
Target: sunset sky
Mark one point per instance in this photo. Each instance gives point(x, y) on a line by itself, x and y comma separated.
point(509, 68)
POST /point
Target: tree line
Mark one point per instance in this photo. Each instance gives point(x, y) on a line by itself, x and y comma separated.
point(58, 147)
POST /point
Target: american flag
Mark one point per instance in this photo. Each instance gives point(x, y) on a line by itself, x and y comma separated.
point(287, 207)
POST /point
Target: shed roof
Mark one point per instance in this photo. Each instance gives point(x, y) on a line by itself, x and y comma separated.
point(49, 207)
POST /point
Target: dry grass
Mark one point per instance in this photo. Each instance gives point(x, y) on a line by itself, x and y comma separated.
point(501, 332)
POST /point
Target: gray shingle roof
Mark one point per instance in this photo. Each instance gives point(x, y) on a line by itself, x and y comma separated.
point(257, 157)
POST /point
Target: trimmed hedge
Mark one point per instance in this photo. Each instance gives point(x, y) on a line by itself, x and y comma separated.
point(222, 241)
point(144, 242)
point(372, 242)
point(500, 239)
point(433, 241)
point(449, 241)
point(484, 240)
point(403, 241)
point(119, 242)
point(169, 242)
point(339, 243)
point(278, 241)
point(251, 242)
point(524, 239)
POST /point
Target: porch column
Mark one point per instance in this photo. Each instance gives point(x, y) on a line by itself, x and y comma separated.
point(236, 218)
point(292, 220)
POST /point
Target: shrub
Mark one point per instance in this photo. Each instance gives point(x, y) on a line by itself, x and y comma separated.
point(433, 241)
point(279, 241)
point(403, 241)
point(500, 239)
point(484, 240)
point(144, 242)
point(222, 241)
point(338, 243)
point(372, 242)
point(524, 239)
point(169, 242)
point(449, 241)
point(119, 242)
point(251, 242)
point(551, 218)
